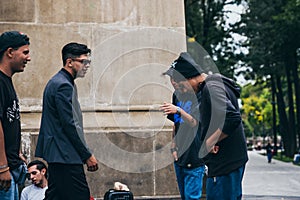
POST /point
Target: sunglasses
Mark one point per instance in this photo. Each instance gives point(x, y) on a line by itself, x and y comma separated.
point(83, 61)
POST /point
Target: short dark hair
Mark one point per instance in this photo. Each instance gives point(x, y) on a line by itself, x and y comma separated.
point(73, 50)
point(39, 165)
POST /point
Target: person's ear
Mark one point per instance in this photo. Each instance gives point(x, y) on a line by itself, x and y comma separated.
point(43, 171)
point(10, 52)
point(69, 62)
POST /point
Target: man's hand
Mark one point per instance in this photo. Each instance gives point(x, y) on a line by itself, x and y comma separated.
point(92, 164)
point(5, 181)
point(211, 142)
point(175, 156)
point(168, 108)
point(23, 158)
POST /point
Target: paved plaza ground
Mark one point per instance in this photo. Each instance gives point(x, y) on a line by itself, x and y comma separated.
point(270, 181)
point(264, 181)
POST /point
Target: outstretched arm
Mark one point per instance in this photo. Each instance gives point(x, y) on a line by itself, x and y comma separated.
point(169, 108)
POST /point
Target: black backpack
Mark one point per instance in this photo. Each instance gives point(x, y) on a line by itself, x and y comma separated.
point(112, 194)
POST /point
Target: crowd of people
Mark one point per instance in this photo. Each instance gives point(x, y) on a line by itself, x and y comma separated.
point(207, 130)
point(61, 140)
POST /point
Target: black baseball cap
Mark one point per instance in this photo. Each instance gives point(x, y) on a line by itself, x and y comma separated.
point(13, 39)
point(169, 72)
point(185, 67)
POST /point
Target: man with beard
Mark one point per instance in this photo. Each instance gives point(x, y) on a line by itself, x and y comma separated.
point(38, 175)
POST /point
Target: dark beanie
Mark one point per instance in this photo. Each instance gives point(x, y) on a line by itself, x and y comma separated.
point(13, 39)
point(185, 67)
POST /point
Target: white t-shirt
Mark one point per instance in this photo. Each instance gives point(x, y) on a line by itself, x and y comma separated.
point(32, 192)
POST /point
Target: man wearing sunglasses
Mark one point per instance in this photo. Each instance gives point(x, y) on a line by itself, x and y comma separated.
point(61, 139)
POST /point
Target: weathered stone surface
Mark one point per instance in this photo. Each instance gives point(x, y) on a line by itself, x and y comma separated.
point(17, 11)
point(125, 71)
point(134, 158)
point(137, 155)
point(155, 13)
point(108, 121)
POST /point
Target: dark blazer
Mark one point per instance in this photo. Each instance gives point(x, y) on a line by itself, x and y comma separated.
point(61, 137)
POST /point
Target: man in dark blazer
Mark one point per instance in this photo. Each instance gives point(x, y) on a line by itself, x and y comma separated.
point(61, 139)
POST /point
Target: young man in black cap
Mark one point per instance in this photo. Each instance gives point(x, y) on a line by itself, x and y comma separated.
point(14, 55)
point(184, 112)
point(222, 132)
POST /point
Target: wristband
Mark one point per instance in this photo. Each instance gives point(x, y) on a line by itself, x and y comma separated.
point(4, 170)
point(173, 149)
point(178, 110)
point(3, 166)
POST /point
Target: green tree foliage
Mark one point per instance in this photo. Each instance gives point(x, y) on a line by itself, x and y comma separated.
point(272, 28)
point(257, 110)
point(205, 23)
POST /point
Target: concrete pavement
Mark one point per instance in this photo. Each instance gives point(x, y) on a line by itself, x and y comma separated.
point(262, 180)
point(270, 181)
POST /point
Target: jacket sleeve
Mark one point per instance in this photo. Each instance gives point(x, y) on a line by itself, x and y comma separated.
point(63, 99)
point(223, 114)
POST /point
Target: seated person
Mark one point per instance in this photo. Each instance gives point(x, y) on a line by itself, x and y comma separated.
point(296, 159)
point(38, 175)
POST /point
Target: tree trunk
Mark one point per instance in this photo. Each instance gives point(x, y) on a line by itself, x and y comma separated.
point(283, 125)
point(291, 137)
point(294, 65)
point(274, 113)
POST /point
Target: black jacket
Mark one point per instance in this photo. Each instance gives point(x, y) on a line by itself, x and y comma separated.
point(219, 109)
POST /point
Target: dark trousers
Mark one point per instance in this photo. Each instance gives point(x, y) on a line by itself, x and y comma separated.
point(66, 182)
point(227, 187)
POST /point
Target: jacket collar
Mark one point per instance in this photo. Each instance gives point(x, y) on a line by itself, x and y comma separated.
point(67, 75)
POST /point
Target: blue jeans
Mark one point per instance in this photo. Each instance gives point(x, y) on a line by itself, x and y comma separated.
point(228, 187)
point(12, 193)
point(189, 181)
point(269, 155)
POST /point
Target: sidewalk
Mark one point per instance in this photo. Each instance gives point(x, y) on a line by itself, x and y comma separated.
point(262, 181)
point(270, 181)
